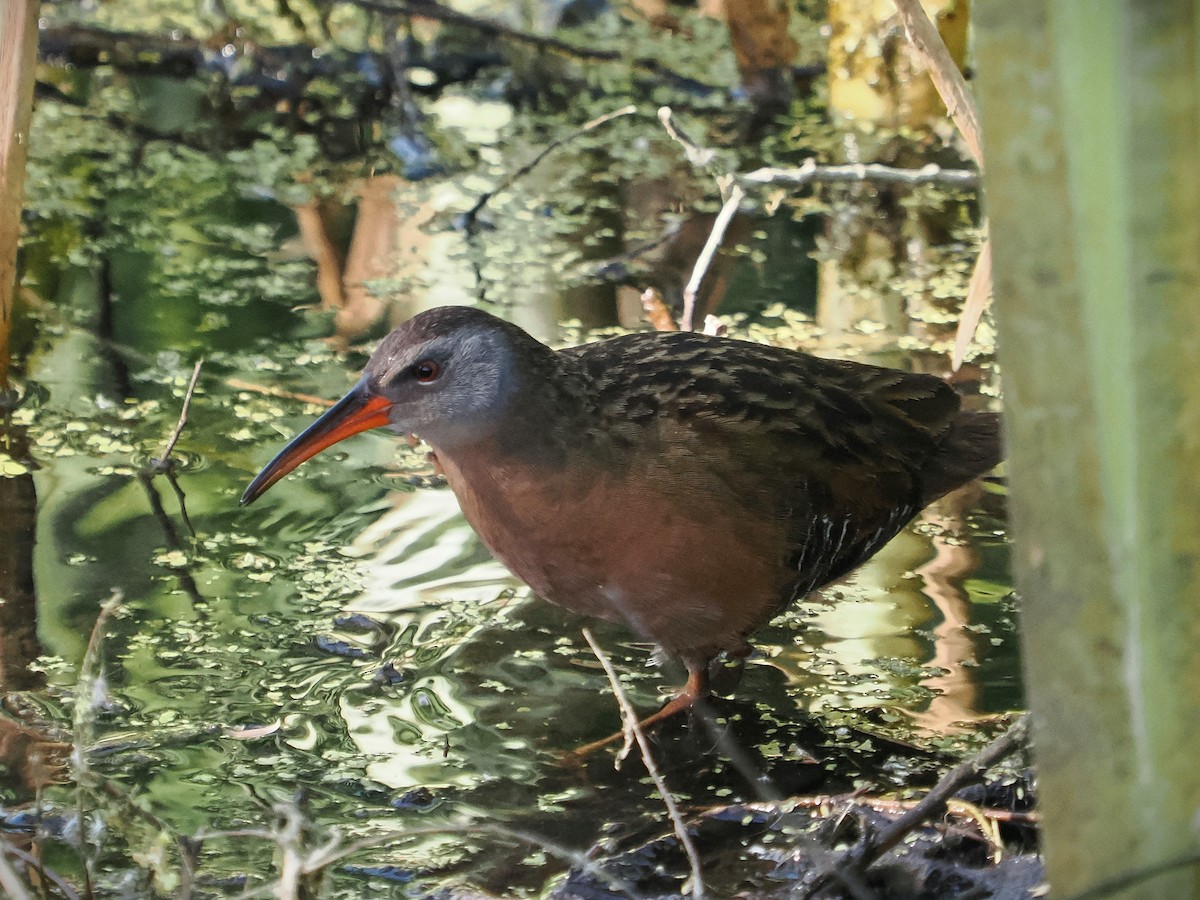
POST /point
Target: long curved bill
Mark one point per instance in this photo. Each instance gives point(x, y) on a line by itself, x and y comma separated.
point(360, 410)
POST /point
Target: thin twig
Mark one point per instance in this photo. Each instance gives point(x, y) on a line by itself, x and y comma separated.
point(239, 385)
point(869, 849)
point(953, 781)
point(885, 805)
point(616, 268)
point(947, 79)
point(162, 462)
point(484, 199)
point(629, 715)
point(811, 172)
point(715, 237)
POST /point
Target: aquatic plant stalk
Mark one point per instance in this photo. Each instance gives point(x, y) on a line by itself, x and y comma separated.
point(1091, 126)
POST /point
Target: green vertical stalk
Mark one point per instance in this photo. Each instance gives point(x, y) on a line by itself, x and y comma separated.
point(1092, 135)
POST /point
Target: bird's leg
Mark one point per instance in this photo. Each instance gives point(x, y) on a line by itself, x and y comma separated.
point(695, 689)
point(725, 670)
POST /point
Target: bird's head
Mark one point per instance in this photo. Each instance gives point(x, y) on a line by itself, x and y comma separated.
point(449, 375)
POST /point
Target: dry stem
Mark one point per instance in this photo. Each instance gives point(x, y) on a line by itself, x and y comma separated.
point(163, 461)
point(951, 86)
point(632, 726)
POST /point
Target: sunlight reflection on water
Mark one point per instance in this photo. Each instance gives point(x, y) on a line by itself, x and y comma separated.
point(421, 551)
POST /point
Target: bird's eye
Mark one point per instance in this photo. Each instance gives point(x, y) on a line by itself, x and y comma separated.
point(426, 371)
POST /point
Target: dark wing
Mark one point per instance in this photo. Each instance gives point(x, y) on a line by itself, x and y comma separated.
point(843, 412)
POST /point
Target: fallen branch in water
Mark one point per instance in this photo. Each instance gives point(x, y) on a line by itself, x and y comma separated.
point(334, 850)
point(270, 391)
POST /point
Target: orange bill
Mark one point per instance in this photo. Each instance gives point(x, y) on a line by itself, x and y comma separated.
point(359, 410)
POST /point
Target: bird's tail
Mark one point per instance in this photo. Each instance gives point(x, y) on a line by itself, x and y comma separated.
point(971, 447)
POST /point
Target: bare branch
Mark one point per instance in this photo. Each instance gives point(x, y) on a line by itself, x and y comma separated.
point(810, 172)
point(698, 156)
point(934, 803)
point(724, 217)
point(335, 851)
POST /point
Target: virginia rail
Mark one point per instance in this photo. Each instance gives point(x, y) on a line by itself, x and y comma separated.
point(687, 485)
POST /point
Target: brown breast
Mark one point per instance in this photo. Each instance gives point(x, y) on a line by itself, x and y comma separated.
point(673, 559)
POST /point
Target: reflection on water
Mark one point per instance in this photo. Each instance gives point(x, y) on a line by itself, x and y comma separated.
point(898, 636)
point(421, 551)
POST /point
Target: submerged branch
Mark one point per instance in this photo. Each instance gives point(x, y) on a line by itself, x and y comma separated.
point(871, 847)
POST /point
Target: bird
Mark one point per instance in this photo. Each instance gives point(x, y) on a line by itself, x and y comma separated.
point(689, 486)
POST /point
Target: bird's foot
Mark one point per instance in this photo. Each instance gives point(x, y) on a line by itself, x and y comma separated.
point(695, 689)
